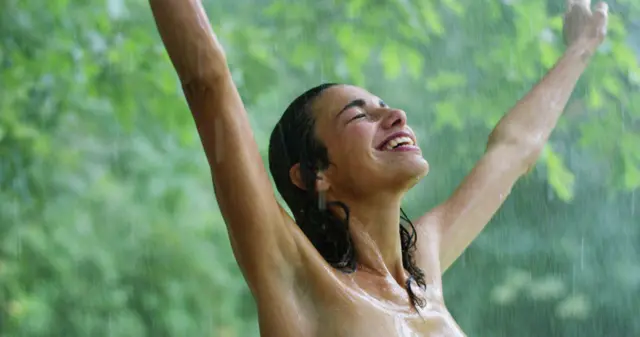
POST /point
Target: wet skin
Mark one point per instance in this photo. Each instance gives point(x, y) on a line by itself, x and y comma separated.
point(365, 304)
point(354, 125)
point(296, 292)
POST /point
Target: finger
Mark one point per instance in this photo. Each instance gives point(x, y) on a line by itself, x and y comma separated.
point(581, 3)
point(602, 8)
point(586, 4)
point(600, 15)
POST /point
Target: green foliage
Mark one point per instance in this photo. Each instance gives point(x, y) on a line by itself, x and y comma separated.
point(108, 225)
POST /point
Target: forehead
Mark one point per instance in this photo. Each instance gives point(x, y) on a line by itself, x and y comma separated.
point(335, 98)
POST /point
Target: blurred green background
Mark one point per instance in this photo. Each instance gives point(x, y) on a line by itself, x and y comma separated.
point(108, 222)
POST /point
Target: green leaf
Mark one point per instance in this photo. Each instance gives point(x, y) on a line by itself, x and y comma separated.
point(630, 148)
point(446, 80)
point(431, 18)
point(595, 99)
point(391, 61)
point(446, 115)
point(558, 175)
point(413, 61)
point(549, 54)
point(455, 6)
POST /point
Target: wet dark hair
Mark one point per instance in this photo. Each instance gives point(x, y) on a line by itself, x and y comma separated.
point(292, 141)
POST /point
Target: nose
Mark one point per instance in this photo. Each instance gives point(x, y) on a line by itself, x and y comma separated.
point(394, 118)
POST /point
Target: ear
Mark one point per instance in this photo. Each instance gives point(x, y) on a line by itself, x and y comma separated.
point(296, 178)
point(322, 183)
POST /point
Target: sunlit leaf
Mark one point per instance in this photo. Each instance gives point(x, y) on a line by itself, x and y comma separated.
point(559, 176)
point(391, 61)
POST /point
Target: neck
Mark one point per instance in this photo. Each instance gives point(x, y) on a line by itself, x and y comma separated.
point(374, 228)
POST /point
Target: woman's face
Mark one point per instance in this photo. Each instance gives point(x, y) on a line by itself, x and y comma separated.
point(371, 148)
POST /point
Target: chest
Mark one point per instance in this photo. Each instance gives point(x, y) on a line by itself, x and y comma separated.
point(356, 314)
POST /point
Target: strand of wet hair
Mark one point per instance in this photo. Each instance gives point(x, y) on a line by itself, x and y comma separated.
point(326, 229)
point(408, 242)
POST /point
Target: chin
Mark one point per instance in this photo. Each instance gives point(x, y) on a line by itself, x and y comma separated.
point(419, 172)
point(409, 172)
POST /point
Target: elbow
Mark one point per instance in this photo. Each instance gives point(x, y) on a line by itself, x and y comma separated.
point(523, 150)
point(528, 144)
point(205, 77)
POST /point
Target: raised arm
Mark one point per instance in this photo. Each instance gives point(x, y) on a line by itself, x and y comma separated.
point(515, 143)
point(261, 233)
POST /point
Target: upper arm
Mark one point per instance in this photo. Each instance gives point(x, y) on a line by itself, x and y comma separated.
point(261, 232)
point(458, 221)
point(262, 235)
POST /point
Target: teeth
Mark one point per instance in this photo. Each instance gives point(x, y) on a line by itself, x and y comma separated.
point(398, 140)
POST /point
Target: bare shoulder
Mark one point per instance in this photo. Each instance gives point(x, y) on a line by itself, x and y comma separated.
point(293, 304)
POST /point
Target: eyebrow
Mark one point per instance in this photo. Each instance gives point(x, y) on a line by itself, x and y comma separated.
point(356, 102)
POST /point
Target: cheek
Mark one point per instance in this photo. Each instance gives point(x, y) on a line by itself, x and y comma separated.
point(357, 138)
point(353, 149)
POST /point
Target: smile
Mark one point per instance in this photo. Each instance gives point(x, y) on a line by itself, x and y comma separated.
point(401, 141)
point(398, 142)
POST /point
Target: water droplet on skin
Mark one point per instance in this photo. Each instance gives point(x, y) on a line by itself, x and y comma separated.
point(322, 201)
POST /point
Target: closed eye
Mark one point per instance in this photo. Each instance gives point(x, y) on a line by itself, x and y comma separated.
point(358, 116)
point(381, 103)
point(360, 104)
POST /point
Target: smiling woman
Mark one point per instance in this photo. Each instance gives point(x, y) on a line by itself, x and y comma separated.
point(343, 161)
point(297, 155)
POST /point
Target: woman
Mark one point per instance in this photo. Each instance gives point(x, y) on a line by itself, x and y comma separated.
point(342, 160)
